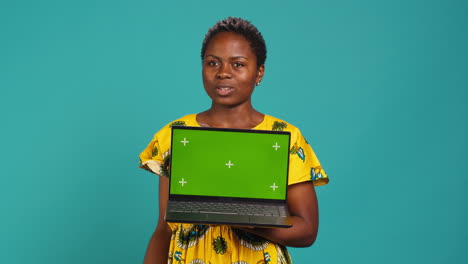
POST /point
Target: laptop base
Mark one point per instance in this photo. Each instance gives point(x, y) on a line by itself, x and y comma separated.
point(228, 219)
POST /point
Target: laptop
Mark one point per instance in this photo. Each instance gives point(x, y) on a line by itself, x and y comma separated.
point(229, 176)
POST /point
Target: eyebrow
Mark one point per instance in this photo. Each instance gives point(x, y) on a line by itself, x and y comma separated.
point(232, 58)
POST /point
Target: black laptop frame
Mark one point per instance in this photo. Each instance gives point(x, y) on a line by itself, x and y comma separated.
point(181, 197)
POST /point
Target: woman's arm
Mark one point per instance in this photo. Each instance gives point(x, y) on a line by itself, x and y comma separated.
point(158, 246)
point(303, 207)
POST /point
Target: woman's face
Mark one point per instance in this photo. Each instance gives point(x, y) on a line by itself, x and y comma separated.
point(230, 69)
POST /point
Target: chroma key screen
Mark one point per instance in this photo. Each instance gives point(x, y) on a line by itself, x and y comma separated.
point(230, 164)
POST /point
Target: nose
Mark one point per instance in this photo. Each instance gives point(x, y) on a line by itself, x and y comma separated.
point(224, 72)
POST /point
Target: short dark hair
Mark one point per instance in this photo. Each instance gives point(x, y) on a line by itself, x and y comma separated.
point(242, 27)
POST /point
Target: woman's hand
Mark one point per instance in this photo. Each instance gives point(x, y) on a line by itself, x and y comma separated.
point(303, 207)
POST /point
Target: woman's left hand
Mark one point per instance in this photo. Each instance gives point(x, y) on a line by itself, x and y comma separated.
point(303, 208)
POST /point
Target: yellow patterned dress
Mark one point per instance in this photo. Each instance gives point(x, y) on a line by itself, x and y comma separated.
point(198, 244)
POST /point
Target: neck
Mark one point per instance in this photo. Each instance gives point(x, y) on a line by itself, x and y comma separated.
point(245, 117)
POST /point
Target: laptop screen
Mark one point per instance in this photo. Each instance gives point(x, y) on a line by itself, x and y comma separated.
point(229, 163)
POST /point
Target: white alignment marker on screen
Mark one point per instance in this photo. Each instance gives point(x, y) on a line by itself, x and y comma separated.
point(184, 141)
point(276, 146)
point(229, 164)
point(274, 186)
point(182, 182)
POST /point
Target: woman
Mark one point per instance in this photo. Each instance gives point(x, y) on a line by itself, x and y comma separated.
point(233, 55)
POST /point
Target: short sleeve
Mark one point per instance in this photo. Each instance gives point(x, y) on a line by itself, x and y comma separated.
point(156, 156)
point(303, 163)
point(152, 158)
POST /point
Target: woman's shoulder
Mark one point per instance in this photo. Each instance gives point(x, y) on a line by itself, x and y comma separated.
point(276, 124)
point(187, 120)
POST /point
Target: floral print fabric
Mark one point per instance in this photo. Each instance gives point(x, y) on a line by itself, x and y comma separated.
point(198, 244)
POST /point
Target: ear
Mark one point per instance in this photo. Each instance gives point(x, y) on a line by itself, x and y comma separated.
point(260, 73)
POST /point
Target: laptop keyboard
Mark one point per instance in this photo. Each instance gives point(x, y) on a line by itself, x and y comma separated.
point(227, 208)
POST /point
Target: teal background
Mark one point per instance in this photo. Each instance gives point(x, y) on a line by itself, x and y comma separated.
point(254, 160)
point(379, 88)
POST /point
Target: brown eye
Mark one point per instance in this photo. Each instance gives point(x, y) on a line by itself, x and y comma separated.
point(238, 64)
point(212, 63)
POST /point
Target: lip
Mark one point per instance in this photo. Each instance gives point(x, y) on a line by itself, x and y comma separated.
point(224, 90)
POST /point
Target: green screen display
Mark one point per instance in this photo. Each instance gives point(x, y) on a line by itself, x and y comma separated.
point(229, 164)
